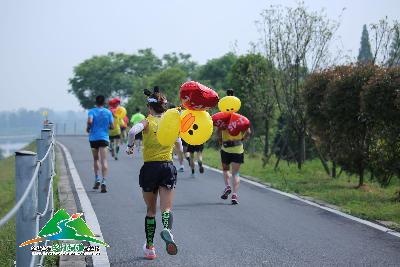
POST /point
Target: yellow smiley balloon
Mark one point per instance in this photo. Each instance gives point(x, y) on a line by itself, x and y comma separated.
point(229, 104)
point(196, 127)
point(168, 127)
point(120, 112)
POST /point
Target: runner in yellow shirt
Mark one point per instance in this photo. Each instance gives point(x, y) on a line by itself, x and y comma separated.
point(115, 137)
point(232, 153)
point(158, 174)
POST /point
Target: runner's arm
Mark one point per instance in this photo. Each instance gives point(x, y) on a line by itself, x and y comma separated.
point(247, 134)
point(137, 128)
point(89, 123)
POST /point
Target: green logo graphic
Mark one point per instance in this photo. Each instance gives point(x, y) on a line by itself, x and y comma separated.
point(65, 227)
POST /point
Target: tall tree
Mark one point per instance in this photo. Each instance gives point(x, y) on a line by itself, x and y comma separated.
point(364, 53)
point(394, 54)
point(180, 60)
point(297, 42)
point(250, 78)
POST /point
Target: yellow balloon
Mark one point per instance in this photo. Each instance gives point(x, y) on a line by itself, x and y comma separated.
point(168, 127)
point(120, 112)
point(196, 127)
point(229, 104)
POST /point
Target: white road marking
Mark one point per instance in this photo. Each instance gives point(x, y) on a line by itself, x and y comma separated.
point(370, 224)
point(90, 216)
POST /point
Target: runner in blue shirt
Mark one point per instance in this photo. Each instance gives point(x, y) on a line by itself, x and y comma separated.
point(100, 120)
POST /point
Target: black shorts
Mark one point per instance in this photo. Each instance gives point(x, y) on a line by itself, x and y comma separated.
point(228, 158)
point(98, 143)
point(193, 148)
point(115, 137)
point(139, 136)
point(157, 173)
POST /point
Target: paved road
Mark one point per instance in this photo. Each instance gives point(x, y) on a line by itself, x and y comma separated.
point(266, 229)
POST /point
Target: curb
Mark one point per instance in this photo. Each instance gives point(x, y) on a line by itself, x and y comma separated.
point(67, 201)
point(312, 202)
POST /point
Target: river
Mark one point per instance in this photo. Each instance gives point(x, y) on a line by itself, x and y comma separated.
point(10, 144)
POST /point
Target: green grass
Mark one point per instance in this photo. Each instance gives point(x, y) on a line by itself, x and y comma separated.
point(371, 202)
point(7, 201)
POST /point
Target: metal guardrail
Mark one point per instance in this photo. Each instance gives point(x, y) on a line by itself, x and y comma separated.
point(34, 194)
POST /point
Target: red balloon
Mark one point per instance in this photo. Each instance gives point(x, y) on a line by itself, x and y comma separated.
point(238, 123)
point(196, 96)
point(221, 119)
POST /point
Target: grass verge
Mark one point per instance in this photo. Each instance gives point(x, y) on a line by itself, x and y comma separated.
point(372, 202)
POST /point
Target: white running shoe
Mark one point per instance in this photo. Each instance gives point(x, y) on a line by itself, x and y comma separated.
point(149, 253)
point(181, 169)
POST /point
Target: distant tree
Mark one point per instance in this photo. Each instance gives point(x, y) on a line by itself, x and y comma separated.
point(144, 63)
point(364, 53)
point(106, 75)
point(181, 60)
point(169, 81)
point(215, 72)
point(250, 78)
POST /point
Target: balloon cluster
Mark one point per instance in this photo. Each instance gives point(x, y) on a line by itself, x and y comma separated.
point(194, 124)
point(227, 118)
point(117, 110)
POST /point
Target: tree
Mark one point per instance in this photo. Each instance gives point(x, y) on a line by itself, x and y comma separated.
point(296, 41)
point(215, 72)
point(382, 115)
point(365, 54)
point(107, 75)
point(169, 81)
point(182, 61)
point(383, 34)
point(347, 122)
point(250, 78)
point(394, 55)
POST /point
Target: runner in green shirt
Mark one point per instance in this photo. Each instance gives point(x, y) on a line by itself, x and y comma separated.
point(136, 118)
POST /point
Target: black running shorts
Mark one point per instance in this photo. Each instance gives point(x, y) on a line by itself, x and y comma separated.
point(192, 148)
point(228, 158)
point(157, 173)
point(118, 136)
point(98, 143)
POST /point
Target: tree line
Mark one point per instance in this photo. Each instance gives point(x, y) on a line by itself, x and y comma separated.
point(302, 105)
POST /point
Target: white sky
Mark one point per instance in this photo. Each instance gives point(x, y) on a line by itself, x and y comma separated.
point(41, 41)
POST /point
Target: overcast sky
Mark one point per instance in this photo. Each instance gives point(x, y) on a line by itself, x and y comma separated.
point(41, 41)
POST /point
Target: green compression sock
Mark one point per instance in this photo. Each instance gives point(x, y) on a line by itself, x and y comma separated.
point(167, 219)
point(150, 229)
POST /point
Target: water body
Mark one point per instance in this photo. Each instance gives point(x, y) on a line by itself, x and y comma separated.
point(10, 144)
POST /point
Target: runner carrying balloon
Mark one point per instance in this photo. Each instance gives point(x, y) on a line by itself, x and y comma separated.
point(158, 174)
point(233, 130)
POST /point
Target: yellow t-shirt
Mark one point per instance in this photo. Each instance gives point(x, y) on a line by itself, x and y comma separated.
point(152, 149)
point(234, 149)
point(117, 127)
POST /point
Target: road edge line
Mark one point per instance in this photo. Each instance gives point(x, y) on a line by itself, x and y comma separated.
point(87, 208)
point(337, 212)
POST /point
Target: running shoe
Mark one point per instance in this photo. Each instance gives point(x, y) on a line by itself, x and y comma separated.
point(235, 200)
point(167, 236)
point(116, 158)
point(181, 169)
point(149, 252)
point(103, 188)
point(96, 185)
point(226, 192)
point(201, 168)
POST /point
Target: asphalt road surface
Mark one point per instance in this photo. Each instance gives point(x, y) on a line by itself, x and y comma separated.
point(265, 229)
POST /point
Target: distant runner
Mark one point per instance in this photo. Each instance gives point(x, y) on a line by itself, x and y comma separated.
point(157, 176)
point(198, 149)
point(135, 119)
point(100, 120)
point(232, 153)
